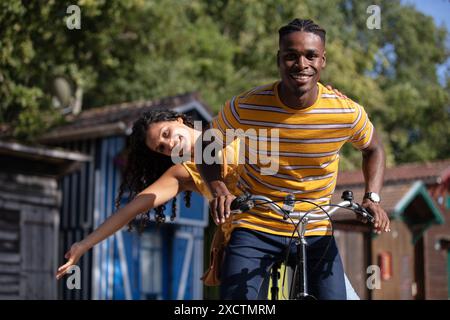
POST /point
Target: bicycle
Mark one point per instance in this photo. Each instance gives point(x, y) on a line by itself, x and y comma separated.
point(246, 202)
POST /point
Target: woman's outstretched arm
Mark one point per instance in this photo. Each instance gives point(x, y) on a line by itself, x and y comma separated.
point(175, 180)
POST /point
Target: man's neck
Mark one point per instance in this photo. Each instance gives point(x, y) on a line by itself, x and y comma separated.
point(306, 100)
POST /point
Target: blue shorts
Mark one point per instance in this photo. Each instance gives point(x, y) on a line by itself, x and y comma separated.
point(250, 255)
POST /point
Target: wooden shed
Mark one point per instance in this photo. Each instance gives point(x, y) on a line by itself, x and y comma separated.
point(166, 262)
point(412, 262)
point(30, 197)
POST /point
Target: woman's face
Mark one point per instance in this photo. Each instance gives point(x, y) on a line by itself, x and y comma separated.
point(170, 138)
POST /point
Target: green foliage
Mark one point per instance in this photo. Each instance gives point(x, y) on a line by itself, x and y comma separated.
point(138, 49)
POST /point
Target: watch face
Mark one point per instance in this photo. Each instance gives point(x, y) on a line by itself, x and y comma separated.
point(374, 197)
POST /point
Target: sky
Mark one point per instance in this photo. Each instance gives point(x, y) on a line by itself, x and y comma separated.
point(440, 11)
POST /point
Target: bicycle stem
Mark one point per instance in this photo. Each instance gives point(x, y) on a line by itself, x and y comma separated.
point(301, 281)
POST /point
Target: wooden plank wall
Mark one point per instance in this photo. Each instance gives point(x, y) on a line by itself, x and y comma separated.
point(28, 226)
point(353, 250)
point(77, 212)
point(38, 252)
point(399, 244)
point(9, 254)
point(436, 264)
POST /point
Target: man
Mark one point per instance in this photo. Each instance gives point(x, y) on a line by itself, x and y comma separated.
point(312, 124)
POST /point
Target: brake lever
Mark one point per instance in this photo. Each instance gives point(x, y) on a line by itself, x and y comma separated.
point(241, 204)
point(364, 213)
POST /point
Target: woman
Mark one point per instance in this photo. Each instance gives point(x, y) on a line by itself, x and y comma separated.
point(152, 179)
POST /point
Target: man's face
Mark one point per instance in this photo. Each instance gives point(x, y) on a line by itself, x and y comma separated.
point(300, 60)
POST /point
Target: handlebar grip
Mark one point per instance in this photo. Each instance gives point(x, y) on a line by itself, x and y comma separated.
point(242, 203)
point(237, 202)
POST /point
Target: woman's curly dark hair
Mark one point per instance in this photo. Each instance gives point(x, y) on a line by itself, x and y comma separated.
point(144, 166)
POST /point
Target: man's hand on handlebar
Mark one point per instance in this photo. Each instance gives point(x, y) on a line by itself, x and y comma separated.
point(381, 222)
point(219, 206)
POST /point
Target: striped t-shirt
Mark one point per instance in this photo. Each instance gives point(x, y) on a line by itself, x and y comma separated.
point(305, 159)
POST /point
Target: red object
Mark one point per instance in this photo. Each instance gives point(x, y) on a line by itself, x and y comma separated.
point(443, 183)
point(385, 263)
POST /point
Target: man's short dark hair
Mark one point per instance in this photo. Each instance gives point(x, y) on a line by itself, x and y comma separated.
point(302, 25)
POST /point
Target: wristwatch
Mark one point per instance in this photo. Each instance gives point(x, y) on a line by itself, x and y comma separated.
point(372, 196)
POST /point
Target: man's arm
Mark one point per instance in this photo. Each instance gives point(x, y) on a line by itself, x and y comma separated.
point(212, 175)
point(374, 162)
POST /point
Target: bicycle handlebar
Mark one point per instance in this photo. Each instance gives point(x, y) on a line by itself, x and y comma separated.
point(246, 201)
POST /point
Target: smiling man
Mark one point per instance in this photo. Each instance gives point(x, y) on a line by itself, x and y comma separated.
point(301, 58)
point(312, 123)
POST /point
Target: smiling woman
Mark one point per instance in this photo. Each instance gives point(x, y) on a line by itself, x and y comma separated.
point(146, 164)
point(150, 178)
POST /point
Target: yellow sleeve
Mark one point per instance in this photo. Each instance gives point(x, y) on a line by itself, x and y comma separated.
point(362, 129)
point(196, 177)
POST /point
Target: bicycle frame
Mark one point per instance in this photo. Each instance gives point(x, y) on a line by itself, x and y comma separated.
point(300, 291)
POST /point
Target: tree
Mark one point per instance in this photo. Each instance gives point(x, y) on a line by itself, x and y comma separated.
point(125, 50)
point(136, 49)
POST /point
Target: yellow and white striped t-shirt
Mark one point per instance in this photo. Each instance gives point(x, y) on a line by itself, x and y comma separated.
point(231, 171)
point(308, 154)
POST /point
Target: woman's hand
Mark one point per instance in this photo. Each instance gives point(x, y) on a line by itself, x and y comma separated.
point(73, 255)
point(336, 91)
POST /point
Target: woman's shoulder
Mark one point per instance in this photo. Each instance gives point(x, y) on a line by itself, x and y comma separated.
point(184, 176)
point(179, 171)
point(190, 178)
